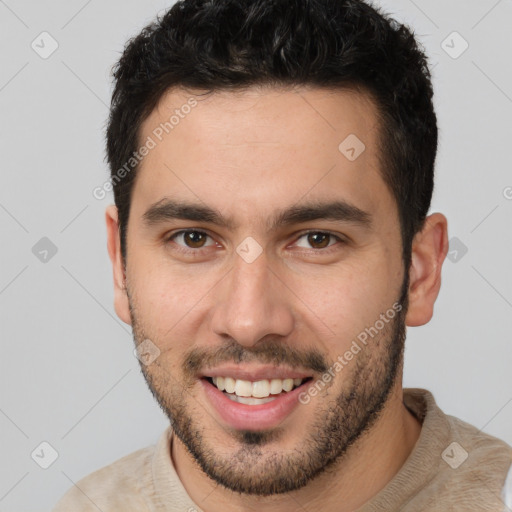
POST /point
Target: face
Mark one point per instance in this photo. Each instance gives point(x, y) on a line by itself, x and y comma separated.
point(260, 249)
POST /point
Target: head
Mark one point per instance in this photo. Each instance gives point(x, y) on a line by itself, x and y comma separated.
point(277, 215)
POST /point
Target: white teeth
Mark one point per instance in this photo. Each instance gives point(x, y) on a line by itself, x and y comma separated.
point(250, 400)
point(243, 388)
point(276, 386)
point(257, 389)
point(229, 384)
point(220, 383)
point(288, 384)
point(261, 388)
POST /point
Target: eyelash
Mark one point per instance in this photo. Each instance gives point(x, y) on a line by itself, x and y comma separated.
point(188, 250)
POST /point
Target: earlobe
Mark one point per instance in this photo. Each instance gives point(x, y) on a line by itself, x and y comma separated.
point(429, 250)
point(121, 303)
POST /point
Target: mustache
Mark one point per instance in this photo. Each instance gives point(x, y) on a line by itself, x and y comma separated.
point(272, 352)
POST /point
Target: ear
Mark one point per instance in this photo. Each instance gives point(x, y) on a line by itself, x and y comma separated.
point(429, 249)
point(114, 250)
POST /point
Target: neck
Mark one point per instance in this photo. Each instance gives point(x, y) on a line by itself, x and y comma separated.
point(367, 467)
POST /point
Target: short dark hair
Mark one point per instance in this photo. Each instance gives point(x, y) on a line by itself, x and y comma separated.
point(234, 44)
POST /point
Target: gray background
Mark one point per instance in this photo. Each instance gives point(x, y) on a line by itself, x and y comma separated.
point(68, 373)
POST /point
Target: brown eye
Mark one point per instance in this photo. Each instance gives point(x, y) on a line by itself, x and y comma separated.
point(194, 239)
point(191, 238)
point(322, 239)
point(319, 239)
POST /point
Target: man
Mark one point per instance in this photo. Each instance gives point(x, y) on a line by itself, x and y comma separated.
point(272, 166)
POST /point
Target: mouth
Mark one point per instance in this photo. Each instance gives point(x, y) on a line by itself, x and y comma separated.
point(255, 392)
point(253, 405)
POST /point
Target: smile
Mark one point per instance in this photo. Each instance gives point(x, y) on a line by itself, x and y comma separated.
point(253, 405)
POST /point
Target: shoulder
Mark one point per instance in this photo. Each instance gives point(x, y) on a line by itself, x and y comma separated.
point(470, 466)
point(466, 438)
point(476, 466)
point(113, 487)
point(487, 454)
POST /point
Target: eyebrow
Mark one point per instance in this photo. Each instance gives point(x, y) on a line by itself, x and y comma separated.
point(338, 210)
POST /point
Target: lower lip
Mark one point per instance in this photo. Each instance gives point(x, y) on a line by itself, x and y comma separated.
point(253, 417)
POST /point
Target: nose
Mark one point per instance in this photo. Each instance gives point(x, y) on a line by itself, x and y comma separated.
point(252, 302)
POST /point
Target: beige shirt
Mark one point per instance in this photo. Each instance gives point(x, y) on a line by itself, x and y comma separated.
point(453, 467)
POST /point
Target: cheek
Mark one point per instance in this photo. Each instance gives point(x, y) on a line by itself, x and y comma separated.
point(343, 301)
point(167, 297)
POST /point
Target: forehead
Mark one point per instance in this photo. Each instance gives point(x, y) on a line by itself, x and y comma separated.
point(245, 152)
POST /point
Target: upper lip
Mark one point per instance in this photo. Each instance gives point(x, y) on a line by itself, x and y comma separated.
point(254, 374)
